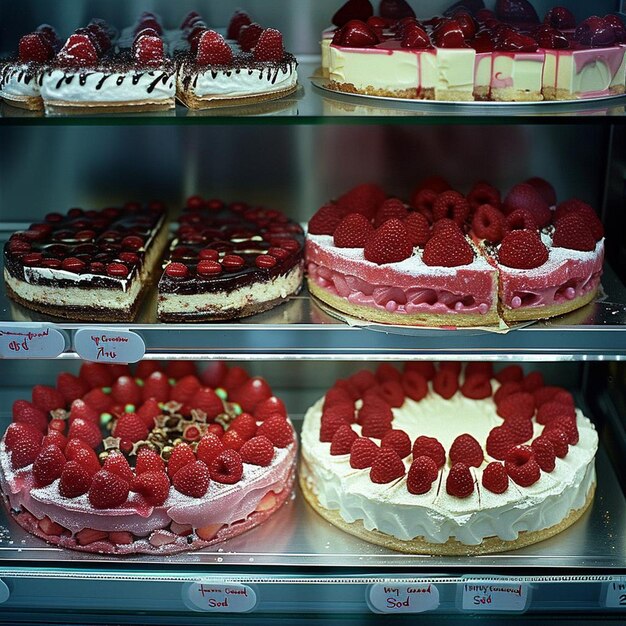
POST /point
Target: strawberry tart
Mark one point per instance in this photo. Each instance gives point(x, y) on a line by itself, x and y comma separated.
point(228, 261)
point(88, 265)
point(472, 53)
point(451, 259)
point(155, 462)
point(448, 460)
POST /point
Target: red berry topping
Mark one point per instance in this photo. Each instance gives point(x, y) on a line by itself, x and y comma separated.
point(517, 405)
point(233, 262)
point(567, 424)
point(387, 466)
point(476, 386)
point(148, 461)
point(550, 411)
point(265, 261)
point(245, 425)
point(96, 374)
point(278, 430)
point(356, 34)
point(226, 467)
point(425, 368)
point(483, 193)
point(258, 451)
point(395, 9)
point(249, 36)
point(499, 441)
point(209, 268)
point(35, 47)
point(446, 383)
point(182, 455)
point(148, 50)
point(521, 466)
point(414, 385)
point(213, 50)
point(390, 243)
point(185, 388)
point(465, 449)
point(177, 270)
point(130, 426)
point(418, 229)
point(353, 231)
point(392, 392)
point(398, 440)
point(362, 453)
point(107, 490)
point(495, 478)
point(543, 188)
point(521, 219)
point(390, 209)
point(488, 223)
point(48, 465)
point(71, 387)
point(422, 473)
point(269, 46)
point(460, 482)
point(375, 426)
point(205, 399)
point(87, 431)
point(451, 205)
point(449, 34)
point(78, 51)
point(269, 407)
point(573, 232)
point(24, 443)
point(119, 270)
point(525, 196)
point(325, 220)
point(153, 485)
point(47, 398)
point(533, 381)
point(447, 249)
point(74, 481)
point(415, 38)
point(523, 249)
point(364, 199)
point(239, 19)
point(353, 10)
point(559, 441)
point(342, 440)
point(511, 373)
point(430, 447)
point(26, 413)
point(193, 479)
point(545, 456)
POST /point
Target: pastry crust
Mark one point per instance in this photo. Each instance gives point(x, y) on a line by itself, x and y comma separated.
point(91, 108)
point(29, 103)
point(192, 101)
point(407, 94)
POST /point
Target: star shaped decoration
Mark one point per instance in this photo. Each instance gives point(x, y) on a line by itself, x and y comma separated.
point(199, 416)
point(172, 407)
point(111, 443)
point(161, 421)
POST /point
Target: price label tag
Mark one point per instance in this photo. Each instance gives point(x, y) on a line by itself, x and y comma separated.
point(205, 596)
point(109, 346)
point(402, 598)
point(4, 592)
point(615, 596)
point(489, 595)
point(31, 342)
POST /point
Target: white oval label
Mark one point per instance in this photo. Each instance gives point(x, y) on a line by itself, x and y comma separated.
point(4, 592)
point(478, 596)
point(31, 342)
point(402, 597)
point(104, 345)
point(615, 597)
point(208, 597)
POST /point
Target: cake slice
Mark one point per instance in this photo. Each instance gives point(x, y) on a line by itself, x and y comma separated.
point(86, 265)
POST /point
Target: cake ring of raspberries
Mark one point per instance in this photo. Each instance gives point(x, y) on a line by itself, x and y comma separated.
point(453, 205)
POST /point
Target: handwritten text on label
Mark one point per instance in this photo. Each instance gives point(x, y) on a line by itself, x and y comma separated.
point(494, 596)
point(28, 342)
point(203, 596)
point(403, 598)
point(616, 594)
point(106, 346)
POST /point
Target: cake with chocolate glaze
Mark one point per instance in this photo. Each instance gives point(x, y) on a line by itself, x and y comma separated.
point(448, 459)
point(157, 461)
point(230, 261)
point(451, 259)
point(86, 265)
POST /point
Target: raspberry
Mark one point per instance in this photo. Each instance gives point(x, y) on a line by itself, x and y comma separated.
point(414, 385)
point(364, 199)
point(362, 381)
point(465, 449)
point(517, 405)
point(345, 411)
point(257, 451)
point(543, 450)
point(87, 431)
point(422, 473)
point(488, 223)
point(392, 393)
point(239, 19)
point(582, 210)
point(374, 407)
point(499, 441)
point(225, 468)
point(451, 205)
point(342, 440)
point(429, 446)
point(544, 189)
point(208, 448)
point(387, 466)
point(26, 413)
point(148, 461)
point(533, 381)
point(387, 372)
point(249, 36)
point(192, 479)
point(446, 383)
point(418, 228)
point(495, 478)
point(546, 394)
point(425, 368)
point(483, 194)
point(182, 455)
point(325, 220)
point(460, 482)
point(424, 201)
point(353, 231)
point(388, 244)
point(434, 183)
point(521, 466)
point(398, 440)
point(47, 398)
point(269, 46)
point(559, 441)
point(525, 196)
point(107, 490)
point(573, 232)
point(329, 425)
point(447, 250)
point(446, 226)
point(345, 385)
point(391, 208)
point(476, 387)
point(35, 47)
point(511, 373)
point(278, 430)
point(245, 425)
point(71, 387)
point(566, 424)
point(375, 426)
point(522, 249)
point(232, 440)
point(520, 219)
point(362, 453)
point(521, 428)
point(130, 426)
point(337, 395)
point(156, 385)
point(550, 411)
point(154, 486)
point(48, 465)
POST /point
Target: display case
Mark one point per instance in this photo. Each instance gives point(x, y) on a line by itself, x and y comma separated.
point(294, 154)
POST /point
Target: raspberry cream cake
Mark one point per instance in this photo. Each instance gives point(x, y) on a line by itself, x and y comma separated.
point(89, 265)
point(155, 462)
point(448, 460)
point(450, 259)
point(230, 261)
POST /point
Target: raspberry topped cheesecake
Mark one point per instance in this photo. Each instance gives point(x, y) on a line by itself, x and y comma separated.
point(228, 261)
point(448, 459)
point(88, 265)
point(152, 462)
point(451, 259)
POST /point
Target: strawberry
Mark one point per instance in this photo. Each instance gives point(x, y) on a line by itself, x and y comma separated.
point(148, 411)
point(520, 219)
point(353, 10)
point(87, 459)
point(24, 443)
point(116, 463)
point(543, 450)
point(249, 35)
point(145, 368)
point(278, 430)
point(185, 388)
point(71, 387)
point(519, 405)
point(523, 249)
point(532, 382)
point(446, 249)
point(130, 426)
point(511, 373)
point(521, 466)
point(329, 425)
point(353, 231)
point(126, 391)
point(392, 393)
point(418, 228)
point(499, 441)
point(120, 369)
point(213, 49)
point(525, 196)
point(362, 453)
point(35, 47)
point(388, 244)
point(488, 223)
point(48, 465)
point(245, 425)
point(74, 480)
point(208, 448)
point(483, 194)
point(257, 451)
point(355, 34)
point(422, 473)
point(153, 485)
point(182, 455)
point(364, 199)
point(216, 429)
point(99, 400)
point(156, 386)
point(268, 407)
point(26, 413)
point(451, 205)
point(568, 425)
point(213, 374)
point(465, 449)
point(239, 19)
point(559, 441)
point(107, 490)
point(87, 536)
point(48, 527)
point(73, 446)
point(47, 398)
point(148, 50)
point(429, 446)
point(387, 466)
point(96, 374)
point(205, 399)
point(253, 391)
point(397, 440)
point(573, 232)
point(148, 461)
point(342, 440)
point(425, 368)
point(180, 369)
point(389, 209)
point(476, 387)
point(460, 482)
point(414, 386)
point(553, 410)
point(415, 37)
point(56, 438)
point(82, 410)
point(495, 478)
point(87, 431)
point(225, 468)
point(337, 395)
point(446, 383)
point(269, 46)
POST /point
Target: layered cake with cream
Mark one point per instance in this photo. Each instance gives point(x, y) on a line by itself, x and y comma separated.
point(228, 261)
point(448, 459)
point(472, 53)
point(87, 265)
point(451, 259)
point(155, 461)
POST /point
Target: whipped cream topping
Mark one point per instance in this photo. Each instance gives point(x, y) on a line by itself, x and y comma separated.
point(19, 81)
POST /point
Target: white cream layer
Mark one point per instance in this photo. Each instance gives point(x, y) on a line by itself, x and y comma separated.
point(19, 83)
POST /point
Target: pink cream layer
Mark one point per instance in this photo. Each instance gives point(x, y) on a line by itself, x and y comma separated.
point(466, 290)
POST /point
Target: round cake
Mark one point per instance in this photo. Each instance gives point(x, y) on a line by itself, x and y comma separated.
point(447, 258)
point(155, 462)
point(449, 459)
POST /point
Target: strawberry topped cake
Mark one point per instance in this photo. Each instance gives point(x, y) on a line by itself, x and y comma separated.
point(157, 461)
point(446, 258)
point(473, 53)
point(448, 459)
